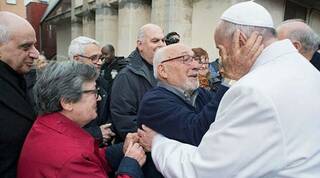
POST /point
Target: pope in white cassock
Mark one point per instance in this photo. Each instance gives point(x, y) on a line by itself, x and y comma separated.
point(267, 124)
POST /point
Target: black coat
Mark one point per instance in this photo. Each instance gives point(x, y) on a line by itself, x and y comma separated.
point(127, 91)
point(16, 118)
point(114, 66)
point(315, 61)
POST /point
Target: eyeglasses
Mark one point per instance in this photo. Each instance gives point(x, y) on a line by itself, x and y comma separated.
point(95, 91)
point(202, 59)
point(186, 59)
point(94, 58)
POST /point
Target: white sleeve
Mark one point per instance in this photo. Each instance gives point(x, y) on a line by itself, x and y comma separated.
point(246, 140)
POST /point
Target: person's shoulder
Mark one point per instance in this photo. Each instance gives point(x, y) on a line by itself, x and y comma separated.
point(159, 91)
point(158, 94)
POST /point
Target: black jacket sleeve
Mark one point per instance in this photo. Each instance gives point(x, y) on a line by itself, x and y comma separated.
point(123, 165)
point(123, 105)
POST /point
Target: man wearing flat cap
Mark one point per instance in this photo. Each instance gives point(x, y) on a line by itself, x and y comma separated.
point(264, 125)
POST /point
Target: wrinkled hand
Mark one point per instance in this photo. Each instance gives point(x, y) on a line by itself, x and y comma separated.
point(131, 137)
point(136, 152)
point(241, 59)
point(146, 136)
point(107, 133)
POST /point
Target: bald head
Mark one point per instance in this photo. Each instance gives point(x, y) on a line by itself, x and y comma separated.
point(147, 29)
point(17, 40)
point(11, 23)
point(169, 52)
point(301, 35)
point(150, 38)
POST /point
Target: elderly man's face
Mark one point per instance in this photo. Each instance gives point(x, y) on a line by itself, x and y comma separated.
point(220, 40)
point(92, 55)
point(153, 39)
point(19, 52)
point(182, 70)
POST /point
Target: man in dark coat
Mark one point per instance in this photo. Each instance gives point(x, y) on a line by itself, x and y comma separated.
point(135, 80)
point(17, 53)
point(112, 65)
point(132, 83)
point(87, 50)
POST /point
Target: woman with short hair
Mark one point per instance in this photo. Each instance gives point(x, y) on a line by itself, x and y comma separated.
point(56, 146)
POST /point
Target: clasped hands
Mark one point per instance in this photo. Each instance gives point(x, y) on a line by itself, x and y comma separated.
point(137, 143)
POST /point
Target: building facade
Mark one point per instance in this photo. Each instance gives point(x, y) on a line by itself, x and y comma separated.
point(16, 6)
point(117, 21)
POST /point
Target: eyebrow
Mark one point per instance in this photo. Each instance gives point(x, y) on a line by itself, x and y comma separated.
point(26, 44)
point(155, 38)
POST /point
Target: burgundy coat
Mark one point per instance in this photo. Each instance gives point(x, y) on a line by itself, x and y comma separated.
point(58, 147)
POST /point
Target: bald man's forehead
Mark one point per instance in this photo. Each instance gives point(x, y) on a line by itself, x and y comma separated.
point(178, 50)
point(153, 32)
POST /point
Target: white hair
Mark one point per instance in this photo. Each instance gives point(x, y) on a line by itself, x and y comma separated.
point(142, 30)
point(159, 56)
point(140, 34)
point(4, 34)
point(78, 45)
point(227, 29)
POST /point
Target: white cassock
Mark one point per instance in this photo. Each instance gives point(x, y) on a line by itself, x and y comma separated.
point(267, 125)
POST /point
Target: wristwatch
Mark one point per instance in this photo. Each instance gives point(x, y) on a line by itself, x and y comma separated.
point(228, 82)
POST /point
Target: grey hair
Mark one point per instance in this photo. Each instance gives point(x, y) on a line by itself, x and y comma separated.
point(308, 38)
point(4, 34)
point(142, 31)
point(140, 34)
point(159, 56)
point(229, 28)
point(61, 80)
point(78, 45)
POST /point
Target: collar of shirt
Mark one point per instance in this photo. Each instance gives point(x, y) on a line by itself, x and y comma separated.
point(189, 97)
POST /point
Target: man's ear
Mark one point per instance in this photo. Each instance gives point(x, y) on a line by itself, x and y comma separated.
point(66, 105)
point(139, 45)
point(162, 71)
point(242, 39)
point(297, 45)
point(76, 58)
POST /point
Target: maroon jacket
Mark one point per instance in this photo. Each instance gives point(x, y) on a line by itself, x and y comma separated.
point(58, 147)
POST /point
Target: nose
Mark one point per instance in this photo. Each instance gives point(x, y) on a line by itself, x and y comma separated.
point(34, 53)
point(203, 66)
point(98, 97)
point(99, 62)
point(196, 65)
point(161, 43)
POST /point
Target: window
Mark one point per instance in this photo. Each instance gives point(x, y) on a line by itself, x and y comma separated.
point(295, 11)
point(11, 1)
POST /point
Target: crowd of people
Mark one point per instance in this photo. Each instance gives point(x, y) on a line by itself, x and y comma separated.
point(165, 110)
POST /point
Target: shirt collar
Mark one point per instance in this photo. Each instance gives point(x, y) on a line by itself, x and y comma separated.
point(184, 95)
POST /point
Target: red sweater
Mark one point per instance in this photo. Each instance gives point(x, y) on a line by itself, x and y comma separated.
point(58, 147)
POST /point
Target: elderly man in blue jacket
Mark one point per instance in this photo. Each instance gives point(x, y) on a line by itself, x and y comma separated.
point(177, 107)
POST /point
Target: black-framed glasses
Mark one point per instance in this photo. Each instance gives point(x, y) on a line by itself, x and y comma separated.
point(94, 91)
point(93, 58)
point(186, 59)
